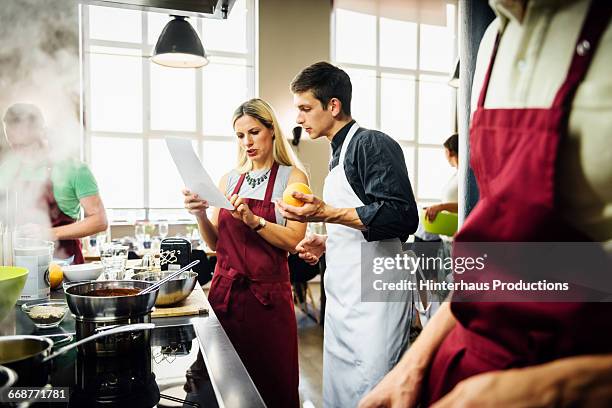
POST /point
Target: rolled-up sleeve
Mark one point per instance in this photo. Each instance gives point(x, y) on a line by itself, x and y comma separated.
point(376, 170)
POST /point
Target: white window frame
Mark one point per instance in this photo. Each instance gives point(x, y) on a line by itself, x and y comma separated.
point(147, 133)
point(416, 74)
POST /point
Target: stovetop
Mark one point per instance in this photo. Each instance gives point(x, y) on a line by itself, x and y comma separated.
point(169, 373)
point(172, 366)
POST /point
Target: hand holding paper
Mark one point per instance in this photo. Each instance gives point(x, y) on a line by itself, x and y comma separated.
point(193, 173)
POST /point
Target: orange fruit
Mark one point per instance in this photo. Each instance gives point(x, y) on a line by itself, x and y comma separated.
point(288, 198)
point(56, 276)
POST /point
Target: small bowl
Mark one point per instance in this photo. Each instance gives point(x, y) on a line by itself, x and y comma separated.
point(46, 315)
point(87, 271)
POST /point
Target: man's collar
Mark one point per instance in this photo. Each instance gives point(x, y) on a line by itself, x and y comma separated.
point(516, 9)
point(340, 135)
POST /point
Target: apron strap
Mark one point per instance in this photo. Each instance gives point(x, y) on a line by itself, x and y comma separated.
point(593, 27)
point(346, 142)
point(271, 181)
point(240, 278)
point(239, 184)
point(485, 84)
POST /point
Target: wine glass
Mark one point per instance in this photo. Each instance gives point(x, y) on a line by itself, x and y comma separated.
point(114, 259)
point(139, 232)
point(101, 238)
point(163, 229)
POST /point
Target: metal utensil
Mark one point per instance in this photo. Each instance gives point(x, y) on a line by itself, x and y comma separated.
point(169, 277)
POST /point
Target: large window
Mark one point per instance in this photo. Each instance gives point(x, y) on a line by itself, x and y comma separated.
point(399, 55)
point(131, 104)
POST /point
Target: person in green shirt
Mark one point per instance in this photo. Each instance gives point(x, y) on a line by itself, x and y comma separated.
point(52, 191)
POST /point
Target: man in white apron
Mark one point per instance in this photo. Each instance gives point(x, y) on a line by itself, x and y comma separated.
point(367, 204)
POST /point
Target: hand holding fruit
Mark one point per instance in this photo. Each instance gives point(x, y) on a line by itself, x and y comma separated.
point(299, 204)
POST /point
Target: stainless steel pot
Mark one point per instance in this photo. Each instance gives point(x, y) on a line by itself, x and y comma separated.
point(25, 355)
point(101, 308)
point(172, 292)
point(31, 356)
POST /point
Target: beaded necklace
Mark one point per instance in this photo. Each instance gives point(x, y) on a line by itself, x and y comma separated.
point(255, 181)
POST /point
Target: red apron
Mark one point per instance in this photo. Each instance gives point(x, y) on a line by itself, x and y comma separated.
point(64, 248)
point(47, 204)
point(251, 295)
point(514, 158)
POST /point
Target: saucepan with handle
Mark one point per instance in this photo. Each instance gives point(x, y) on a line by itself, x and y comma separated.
point(31, 356)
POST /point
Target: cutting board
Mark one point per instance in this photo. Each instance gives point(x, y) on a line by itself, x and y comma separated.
point(195, 304)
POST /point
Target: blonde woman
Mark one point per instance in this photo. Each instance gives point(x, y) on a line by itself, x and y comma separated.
point(250, 290)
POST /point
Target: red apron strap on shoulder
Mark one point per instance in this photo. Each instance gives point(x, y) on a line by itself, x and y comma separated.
point(485, 84)
point(271, 181)
point(239, 184)
point(595, 23)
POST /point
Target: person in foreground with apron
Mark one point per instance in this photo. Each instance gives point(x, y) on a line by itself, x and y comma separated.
point(368, 199)
point(250, 290)
point(528, 353)
point(50, 192)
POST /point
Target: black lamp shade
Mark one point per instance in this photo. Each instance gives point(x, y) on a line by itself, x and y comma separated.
point(179, 46)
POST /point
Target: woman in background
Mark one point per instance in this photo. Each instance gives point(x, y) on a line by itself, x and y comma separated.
point(52, 191)
point(250, 290)
point(428, 244)
point(450, 195)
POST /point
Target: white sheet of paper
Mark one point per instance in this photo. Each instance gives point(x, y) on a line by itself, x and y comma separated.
point(195, 177)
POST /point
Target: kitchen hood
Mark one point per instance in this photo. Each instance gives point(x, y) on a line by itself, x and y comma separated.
point(218, 9)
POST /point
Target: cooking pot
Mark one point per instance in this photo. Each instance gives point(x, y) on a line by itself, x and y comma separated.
point(31, 356)
point(106, 308)
point(173, 291)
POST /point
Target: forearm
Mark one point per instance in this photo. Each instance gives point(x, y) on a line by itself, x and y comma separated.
point(281, 236)
point(452, 207)
point(208, 231)
point(344, 216)
point(89, 225)
point(581, 381)
point(421, 353)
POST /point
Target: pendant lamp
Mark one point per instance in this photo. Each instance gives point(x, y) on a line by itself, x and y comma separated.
point(179, 46)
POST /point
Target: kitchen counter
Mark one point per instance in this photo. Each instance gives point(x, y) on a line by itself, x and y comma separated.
point(192, 360)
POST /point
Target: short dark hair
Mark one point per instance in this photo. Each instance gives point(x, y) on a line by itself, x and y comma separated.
point(452, 144)
point(325, 81)
point(24, 113)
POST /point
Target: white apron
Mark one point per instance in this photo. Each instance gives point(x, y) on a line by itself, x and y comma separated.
point(362, 340)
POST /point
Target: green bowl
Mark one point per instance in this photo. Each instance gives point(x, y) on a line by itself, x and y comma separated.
point(445, 223)
point(12, 281)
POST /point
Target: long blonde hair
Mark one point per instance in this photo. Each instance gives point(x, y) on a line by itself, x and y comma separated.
point(281, 151)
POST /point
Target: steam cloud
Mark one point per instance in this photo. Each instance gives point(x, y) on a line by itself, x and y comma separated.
point(39, 64)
